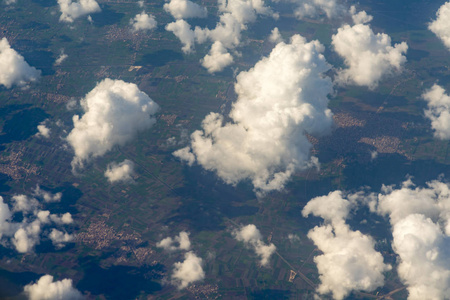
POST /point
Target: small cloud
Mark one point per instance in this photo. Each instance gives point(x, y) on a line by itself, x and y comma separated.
point(47, 289)
point(188, 271)
point(43, 131)
point(185, 9)
point(217, 59)
point(143, 21)
point(46, 196)
point(275, 36)
point(62, 56)
point(438, 111)
point(59, 238)
point(170, 244)
point(120, 172)
point(71, 10)
point(251, 236)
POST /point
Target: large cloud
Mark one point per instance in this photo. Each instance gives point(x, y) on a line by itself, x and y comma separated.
point(114, 112)
point(47, 289)
point(369, 56)
point(14, 70)
point(184, 9)
point(71, 10)
point(438, 111)
point(188, 271)
point(349, 261)
point(251, 236)
point(281, 98)
point(171, 244)
point(120, 172)
point(143, 21)
point(421, 236)
point(441, 26)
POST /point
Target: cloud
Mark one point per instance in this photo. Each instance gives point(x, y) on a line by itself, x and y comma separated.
point(23, 203)
point(47, 289)
point(182, 240)
point(349, 261)
point(185, 9)
point(251, 236)
point(14, 70)
point(217, 59)
point(59, 238)
point(188, 271)
point(419, 218)
point(71, 10)
point(316, 8)
point(47, 196)
point(120, 172)
point(359, 17)
point(438, 111)
point(279, 99)
point(182, 30)
point(27, 236)
point(62, 57)
point(143, 21)
point(114, 112)
point(43, 131)
point(275, 36)
point(441, 26)
point(369, 57)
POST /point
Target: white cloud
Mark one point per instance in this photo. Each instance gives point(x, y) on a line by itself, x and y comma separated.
point(27, 236)
point(120, 172)
point(359, 17)
point(441, 26)
point(217, 59)
point(59, 238)
point(71, 10)
point(275, 36)
point(438, 111)
point(251, 236)
point(143, 21)
point(182, 240)
point(62, 57)
point(188, 271)
point(46, 196)
point(279, 99)
point(369, 57)
point(349, 261)
point(14, 70)
point(47, 289)
point(114, 112)
point(421, 234)
point(9, 2)
point(140, 3)
point(24, 204)
point(182, 30)
point(43, 131)
point(316, 8)
point(184, 9)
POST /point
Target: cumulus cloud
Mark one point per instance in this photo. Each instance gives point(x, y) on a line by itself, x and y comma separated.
point(349, 261)
point(251, 236)
point(419, 218)
point(47, 289)
point(316, 8)
point(441, 26)
point(279, 99)
point(43, 131)
point(120, 172)
point(182, 30)
point(360, 17)
point(180, 242)
point(14, 70)
point(438, 111)
point(143, 21)
point(114, 111)
point(275, 36)
point(369, 56)
point(185, 9)
point(62, 57)
point(188, 271)
point(46, 196)
point(59, 238)
point(217, 59)
point(71, 10)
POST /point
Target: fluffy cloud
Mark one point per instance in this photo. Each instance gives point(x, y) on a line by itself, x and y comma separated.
point(217, 59)
point(143, 21)
point(46, 196)
point(59, 238)
point(62, 57)
point(188, 271)
point(47, 289)
point(369, 56)
point(170, 244)
point(279, 99)
point(182, 30)
point(184, 9)
point(14, 70)
point(71, 10)
point(441, 26)
point(349, 261)
point(359, 17)
point(315, 8)
point(438, 111)
point(120, 172)
point(275, 36)
point(421, 234)
point(114, 112)
point(251, 236)
point(43, 131)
